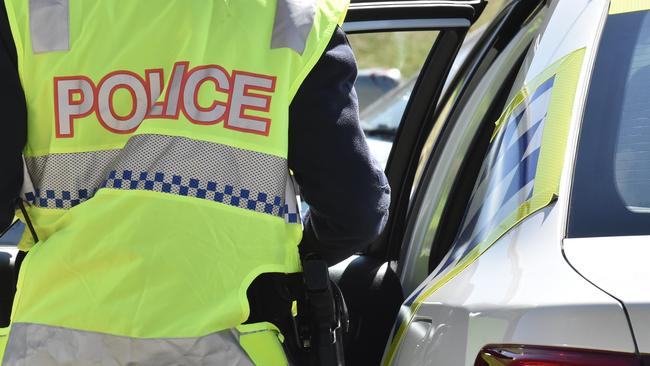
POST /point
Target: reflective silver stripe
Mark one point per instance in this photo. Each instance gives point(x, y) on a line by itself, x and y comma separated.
point(65, 180)
point(35, 344)
point(167, 164)
point(215, 172)
point(293, 22)
point(292, 202)
point(28, 186)
point(49, 25)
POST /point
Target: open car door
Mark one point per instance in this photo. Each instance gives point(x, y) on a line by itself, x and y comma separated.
point(370, 286)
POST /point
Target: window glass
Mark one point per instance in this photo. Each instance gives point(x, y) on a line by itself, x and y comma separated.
point(475, 32)
point(389, 64)
point(611, 186)
point(507, 175)
point(632, 155)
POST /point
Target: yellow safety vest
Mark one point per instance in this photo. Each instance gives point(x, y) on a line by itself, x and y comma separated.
point(157, 152)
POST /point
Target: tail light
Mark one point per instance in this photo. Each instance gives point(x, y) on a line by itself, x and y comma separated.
point(518, 355)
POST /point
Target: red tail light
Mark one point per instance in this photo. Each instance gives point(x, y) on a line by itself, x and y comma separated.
point(518, 355)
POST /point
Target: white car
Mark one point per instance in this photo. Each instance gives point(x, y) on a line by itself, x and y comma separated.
point(371, 84)
point(520, 227)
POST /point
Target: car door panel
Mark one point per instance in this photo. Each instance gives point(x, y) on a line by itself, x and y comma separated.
point(368, 282)
point(516, 286)
point(517, 292)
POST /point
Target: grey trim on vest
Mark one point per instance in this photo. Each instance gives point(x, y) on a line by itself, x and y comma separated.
point(167, 164)
point(207, 170)
point(28, 185)
point(292, 202)
point(49, 25)
point(35, 344)
point(62, 172)
point(293, 22)
point(65, 180)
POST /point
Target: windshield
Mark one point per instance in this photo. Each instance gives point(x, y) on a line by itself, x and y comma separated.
point(611, 188)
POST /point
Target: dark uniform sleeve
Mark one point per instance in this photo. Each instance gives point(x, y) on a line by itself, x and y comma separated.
point(13, 124)
point(345, 187)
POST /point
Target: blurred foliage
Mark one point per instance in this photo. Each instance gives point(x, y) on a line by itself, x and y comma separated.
point(406, 51)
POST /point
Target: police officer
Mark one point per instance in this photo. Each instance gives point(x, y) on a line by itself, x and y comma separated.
point(157, 140)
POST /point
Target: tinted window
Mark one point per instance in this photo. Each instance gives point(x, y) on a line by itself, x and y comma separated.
point(611, 188)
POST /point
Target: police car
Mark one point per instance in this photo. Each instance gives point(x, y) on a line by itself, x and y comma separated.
point(520, 215)
point(520, 222)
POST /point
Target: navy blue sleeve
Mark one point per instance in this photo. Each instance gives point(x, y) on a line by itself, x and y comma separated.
point(13, 124)
point(345, 187)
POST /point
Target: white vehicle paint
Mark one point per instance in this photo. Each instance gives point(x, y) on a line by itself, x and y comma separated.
point(619, 266)
point(522, 290)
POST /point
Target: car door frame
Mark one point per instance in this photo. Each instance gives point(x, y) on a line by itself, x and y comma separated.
point(514, 18)
point(453, 19)
point(363, 279)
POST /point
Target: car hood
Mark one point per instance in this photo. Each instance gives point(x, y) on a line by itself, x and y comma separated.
point(619, 266)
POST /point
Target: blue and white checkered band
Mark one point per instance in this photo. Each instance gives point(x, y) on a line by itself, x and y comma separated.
point(507, 177)
point(170, 165)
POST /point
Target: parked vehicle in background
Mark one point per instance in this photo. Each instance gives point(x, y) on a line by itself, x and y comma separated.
point(382, 118)
point(372, 84)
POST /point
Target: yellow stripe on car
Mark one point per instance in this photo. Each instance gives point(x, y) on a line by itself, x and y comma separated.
point(628, 6)
point(547, 177)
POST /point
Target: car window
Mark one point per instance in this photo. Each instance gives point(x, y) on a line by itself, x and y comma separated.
point(507, 175)
point(389, 64)
point(387, 60)
point(462, 133)
point(614, 144)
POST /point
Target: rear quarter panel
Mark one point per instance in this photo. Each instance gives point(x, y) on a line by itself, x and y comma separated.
point(520, 291)
point(619, 266)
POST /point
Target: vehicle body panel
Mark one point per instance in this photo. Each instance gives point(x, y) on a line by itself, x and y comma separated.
point(373, 83)
point(521, 291)
point(619, 266)
point(615, 264)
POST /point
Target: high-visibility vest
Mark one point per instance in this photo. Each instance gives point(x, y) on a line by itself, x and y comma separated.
point(157, 157)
